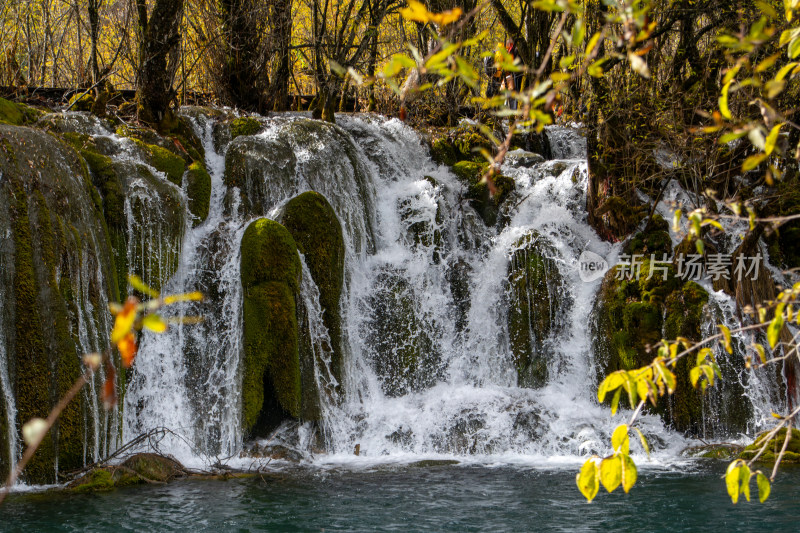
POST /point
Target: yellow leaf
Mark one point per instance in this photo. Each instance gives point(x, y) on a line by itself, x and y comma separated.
point(154, 323)
point(772, 138)
point(588, 480)
point(123, 323)
point(137, 283)
point(629, 473)
point(774, 330)
point(676, 221)
point(643, 441)
point(726, 335)
point(763, 487)
point(611, 472)
point(723, 101)
point(186, 297)
point(619, 439)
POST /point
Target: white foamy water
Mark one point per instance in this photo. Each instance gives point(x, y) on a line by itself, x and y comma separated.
point(410, 237)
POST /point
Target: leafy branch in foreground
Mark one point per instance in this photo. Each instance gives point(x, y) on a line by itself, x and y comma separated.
point(129, 318)
point(657, 379)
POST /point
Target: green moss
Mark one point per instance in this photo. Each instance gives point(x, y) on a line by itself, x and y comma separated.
point(269, 253)
point(469, 141)
point(81, 102)
point(97, 480)
point(403, 354)
point(10, 113)
point(774, 446)
point(33, 372)
point(467, 171)
point(315, 228)
point(17, 114)
point(164, 161)
point(244, 126)
point(153, 467)
point(536, 297)
point(198, 189)
point(443, 152)
point(271, 385)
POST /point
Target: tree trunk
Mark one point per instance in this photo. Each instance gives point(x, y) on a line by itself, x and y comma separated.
point(157, 54)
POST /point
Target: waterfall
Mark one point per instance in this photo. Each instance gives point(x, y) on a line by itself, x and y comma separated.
point(431, 364)
point(7, 398)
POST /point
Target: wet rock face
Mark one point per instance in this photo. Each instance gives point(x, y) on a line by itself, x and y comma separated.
point(537, 299)
point(401, 350)
point(56, 275)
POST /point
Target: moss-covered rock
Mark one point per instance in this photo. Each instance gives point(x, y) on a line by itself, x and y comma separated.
point(270, 271)
point(17, 114)
point(48, 208)
point(443, 152)
point(469, 141)
point(632, 315)
point(478, 193)
point(173, 166)
point(315, 228)
point(244, 126)
point(198, 189)
point(137, 469)
point(537, 298)
point(774, 447)
point(400, 347)
point(81, 102)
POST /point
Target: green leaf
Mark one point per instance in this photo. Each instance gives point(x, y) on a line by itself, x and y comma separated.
point(620, 440)
point(763, 487)
point(629, 473)
point(611, 472)
point(774, 330)
point(588, 480)
point(726, 335)
point(155, 323)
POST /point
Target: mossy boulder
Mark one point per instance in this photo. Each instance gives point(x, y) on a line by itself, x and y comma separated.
point(317, 232)
point(443, 152)
point(198, 189)
point(137, 469)
point(774, 447)
point(81, 102)
point(469, 141)
point(57, 270)
point(398, 337)
point(244, 126)
point(270, 272)
point(172, 165)
point(17, 114)
point(537, 298)
point(477, 192)
point(656, 240)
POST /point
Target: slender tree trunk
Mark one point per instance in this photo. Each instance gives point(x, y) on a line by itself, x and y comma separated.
point(157, 54)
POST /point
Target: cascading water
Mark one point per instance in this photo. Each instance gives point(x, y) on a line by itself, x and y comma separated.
point(431, 367)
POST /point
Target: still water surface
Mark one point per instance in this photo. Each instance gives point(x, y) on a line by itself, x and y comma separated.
point(438, 498)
